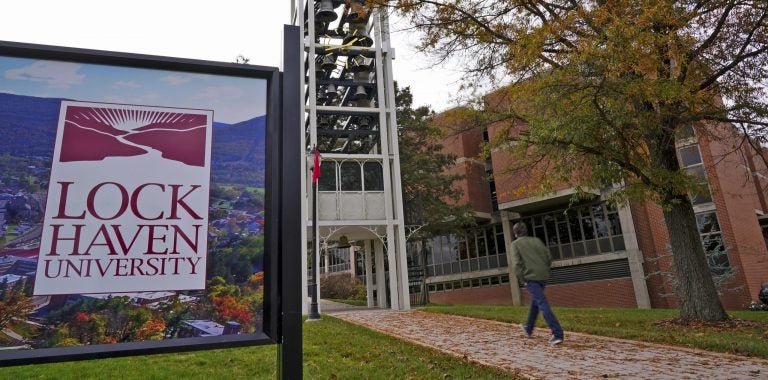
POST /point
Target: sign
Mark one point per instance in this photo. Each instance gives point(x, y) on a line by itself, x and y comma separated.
point(127, 207)
point(135, 202)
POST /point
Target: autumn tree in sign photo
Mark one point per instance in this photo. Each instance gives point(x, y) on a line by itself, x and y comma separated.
point(601, 89)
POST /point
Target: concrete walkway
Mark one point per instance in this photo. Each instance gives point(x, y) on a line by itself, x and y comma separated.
point(582, 356)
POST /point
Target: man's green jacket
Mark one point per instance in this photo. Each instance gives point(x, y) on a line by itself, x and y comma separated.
point(531, 259)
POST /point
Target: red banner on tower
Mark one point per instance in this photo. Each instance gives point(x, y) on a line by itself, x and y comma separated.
point(316, 167)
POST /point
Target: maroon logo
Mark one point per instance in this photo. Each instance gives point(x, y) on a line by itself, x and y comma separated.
point(95, 133)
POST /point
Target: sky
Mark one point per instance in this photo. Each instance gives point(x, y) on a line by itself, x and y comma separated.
point(233, 99)
point(196, 29)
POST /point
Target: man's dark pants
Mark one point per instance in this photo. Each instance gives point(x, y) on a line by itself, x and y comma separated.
point(539, 303)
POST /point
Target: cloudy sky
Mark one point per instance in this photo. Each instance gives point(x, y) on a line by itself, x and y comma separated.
point(232, 99)
point(216, 31)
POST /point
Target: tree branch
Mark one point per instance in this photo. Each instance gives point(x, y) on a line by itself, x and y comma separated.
point(693, 54)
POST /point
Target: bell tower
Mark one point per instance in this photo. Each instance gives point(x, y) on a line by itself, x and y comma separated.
point(349, 118)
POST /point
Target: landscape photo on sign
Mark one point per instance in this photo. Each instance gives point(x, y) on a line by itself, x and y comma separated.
point(142, 191)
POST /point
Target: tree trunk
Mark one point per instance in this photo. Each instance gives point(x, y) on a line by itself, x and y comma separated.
point(694, 286)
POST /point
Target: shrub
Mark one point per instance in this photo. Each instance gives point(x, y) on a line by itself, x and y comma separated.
point(757, 306)
point(341, 286)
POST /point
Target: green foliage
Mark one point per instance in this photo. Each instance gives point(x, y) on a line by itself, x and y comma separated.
point(430, 199)
point(255, 301)
point(219, 287)
point(173, 313)
point(29, 173)
point(68, 342)
point(242, 198)
point(342, 286)
point(602, 88)
point(353, 302)
point(757, 306)
point(235, 262)
point(13, 304)
point(95, 321)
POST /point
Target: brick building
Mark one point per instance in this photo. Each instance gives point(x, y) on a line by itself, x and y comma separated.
point(604, 256)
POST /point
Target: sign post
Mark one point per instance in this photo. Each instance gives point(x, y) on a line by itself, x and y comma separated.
point(290, 348)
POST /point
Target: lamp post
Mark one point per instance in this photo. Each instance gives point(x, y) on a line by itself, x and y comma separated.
point(314, 313)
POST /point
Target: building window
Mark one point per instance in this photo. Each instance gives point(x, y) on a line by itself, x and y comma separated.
point(690, 161)
point(712, 240)
point(372, 173)
point(764, 228)
point(702, 193)
point(478, 249)
point(685, 133)
point(689, 155)
point(338, 260)
point(350, 176)
point(579, 231)
point(590, 229)
point(327, 180)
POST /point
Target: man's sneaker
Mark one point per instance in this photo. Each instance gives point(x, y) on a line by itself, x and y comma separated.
point(525, 331)
point(555, 340)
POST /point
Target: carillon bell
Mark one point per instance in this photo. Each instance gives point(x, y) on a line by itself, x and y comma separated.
point(319, 72)
point(326, 12)
point(323, 122)
point(359, 63)
point(358, 35)
point(329, 62)
point(364, 122)
point(362, 76)
point(360, 93)
point(330, 91)
point(343, 242)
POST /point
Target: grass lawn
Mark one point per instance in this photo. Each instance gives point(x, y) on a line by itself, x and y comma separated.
point(636, 324)
point(351, 302)
point(333, 349)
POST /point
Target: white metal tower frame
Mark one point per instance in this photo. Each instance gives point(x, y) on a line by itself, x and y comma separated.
point(393, 225)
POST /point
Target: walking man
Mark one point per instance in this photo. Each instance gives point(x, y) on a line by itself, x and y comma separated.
point(531, 260)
